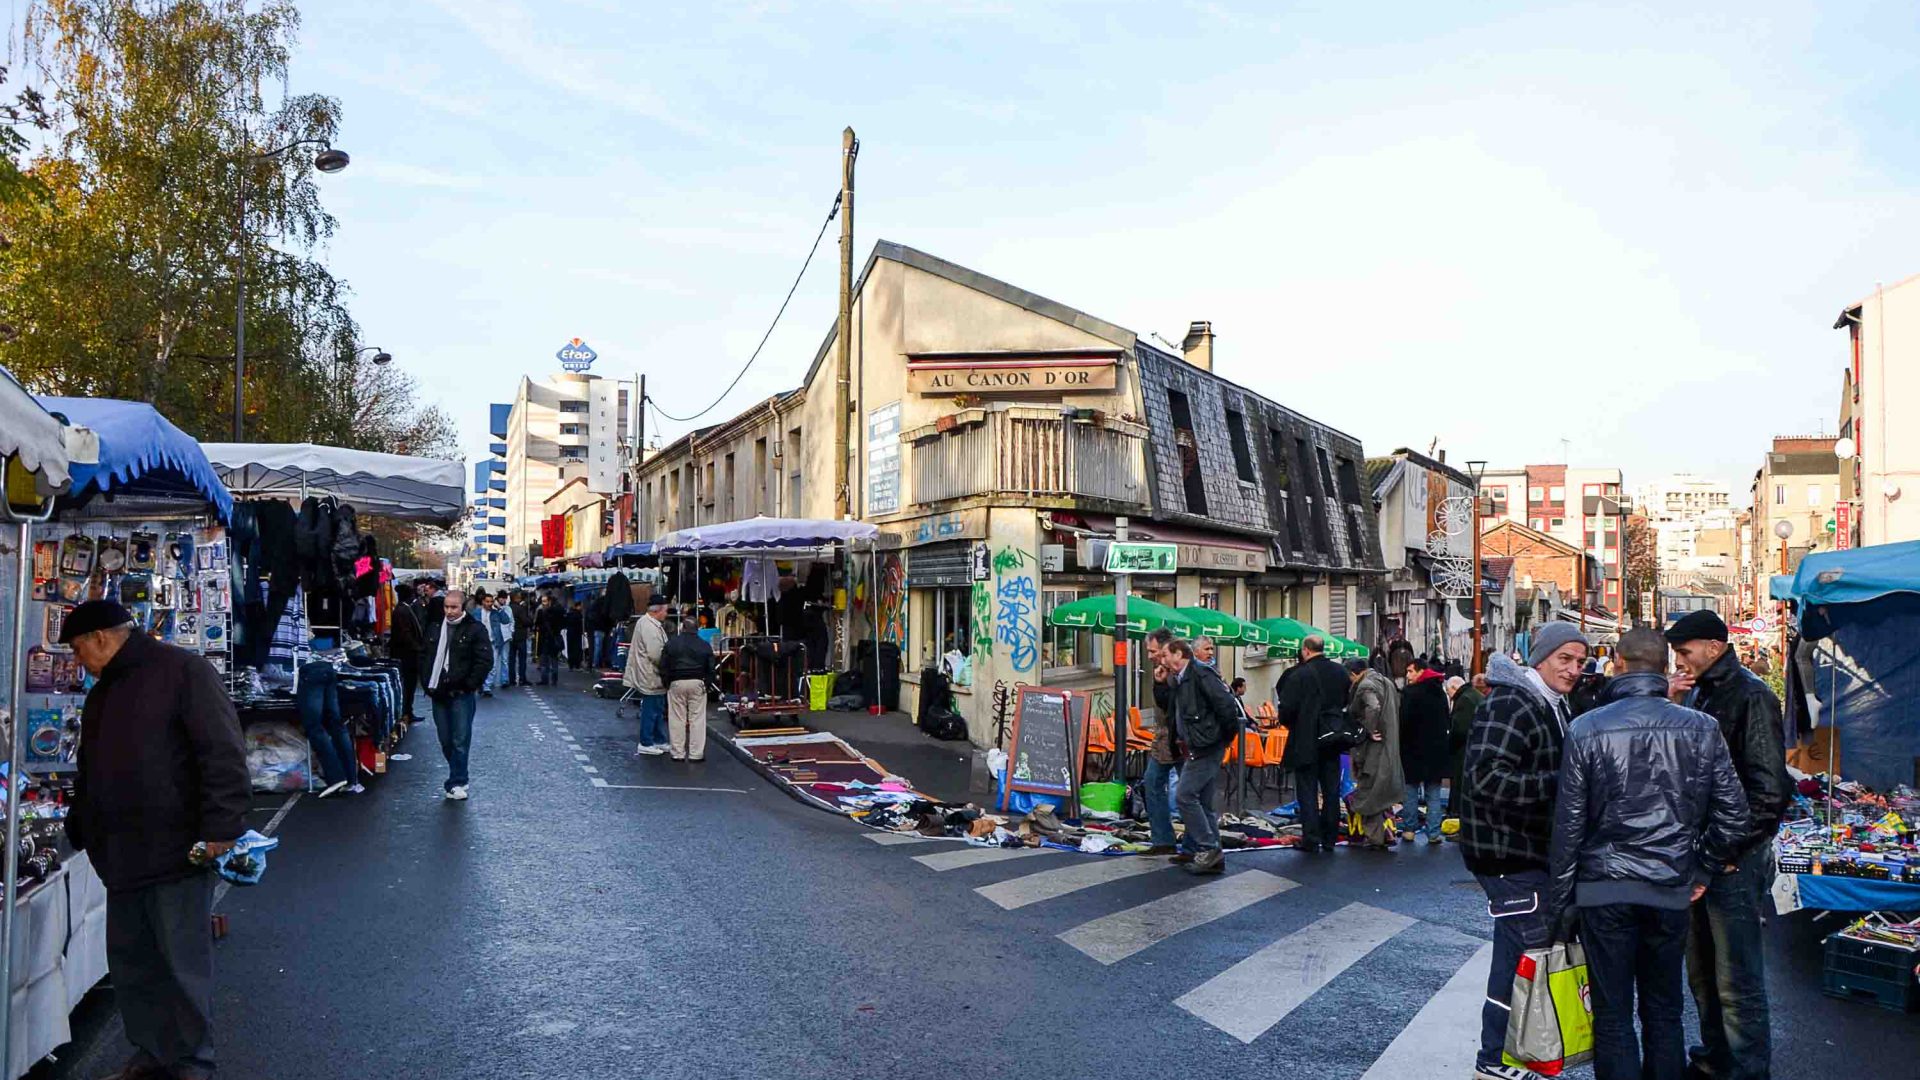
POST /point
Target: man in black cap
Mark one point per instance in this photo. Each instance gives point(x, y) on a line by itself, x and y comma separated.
point(162, 768)
point(1726, 963)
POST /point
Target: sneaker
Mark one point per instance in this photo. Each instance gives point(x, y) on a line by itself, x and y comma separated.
point(332, 789)
point(699, 759)
point(1211, 861)
point(650, 750)
point(1504, 1072)
point(1407, 836)
point(676, 757)
point(1183, 858)
point(457, 794)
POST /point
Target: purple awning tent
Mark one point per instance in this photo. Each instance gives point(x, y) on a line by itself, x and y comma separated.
point(762, 534)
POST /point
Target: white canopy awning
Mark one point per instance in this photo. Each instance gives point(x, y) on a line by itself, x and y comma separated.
point(32, 436)
point(387, 485)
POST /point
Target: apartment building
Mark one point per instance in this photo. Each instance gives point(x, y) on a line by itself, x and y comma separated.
point(1797, 483)
point(1581, 507)
point(566, 426)
point(1882, 477)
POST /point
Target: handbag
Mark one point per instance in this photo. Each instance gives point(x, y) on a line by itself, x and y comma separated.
point(1340, 731)
point(1550, 1025)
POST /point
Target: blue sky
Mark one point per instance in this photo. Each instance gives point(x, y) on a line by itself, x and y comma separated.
point(1498, 226)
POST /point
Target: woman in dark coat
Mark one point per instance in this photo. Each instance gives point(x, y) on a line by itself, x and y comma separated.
point(1466, 701)
point(576, 628)
point(1426, 727)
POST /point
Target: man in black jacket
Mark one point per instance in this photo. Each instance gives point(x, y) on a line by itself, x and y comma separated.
point(686, 666)
point(162, 768)
point(1205, 719)
point(1649, 808)
point(1312, 697)
point(459, 655)
point(522, 630)
point(408, 637)
point(1726, 963)
point(1512, 772)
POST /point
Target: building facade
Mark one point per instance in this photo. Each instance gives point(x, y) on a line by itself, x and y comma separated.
point(1422, 537)
point(567, 426)
point(1883, 371)
point(995, 436)
point(1580, 507)
point(1797, 483)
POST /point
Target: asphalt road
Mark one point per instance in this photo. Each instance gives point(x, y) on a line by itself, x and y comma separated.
point(589, 913)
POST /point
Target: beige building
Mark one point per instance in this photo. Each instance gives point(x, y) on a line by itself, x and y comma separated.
point(1883, 383)
point(1797, 483)
point(997, 436)
point(568, 426)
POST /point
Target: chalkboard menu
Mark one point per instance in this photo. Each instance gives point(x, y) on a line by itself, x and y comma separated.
point(1044, 748)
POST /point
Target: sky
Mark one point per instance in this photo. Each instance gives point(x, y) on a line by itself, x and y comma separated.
point(1497, 226)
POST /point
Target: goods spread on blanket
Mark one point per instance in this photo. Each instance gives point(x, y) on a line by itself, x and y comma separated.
point(1858, 833)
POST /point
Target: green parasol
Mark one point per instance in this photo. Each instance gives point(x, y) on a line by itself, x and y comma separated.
point(1284, 636)
point(1223, 628)
point(1143, 616)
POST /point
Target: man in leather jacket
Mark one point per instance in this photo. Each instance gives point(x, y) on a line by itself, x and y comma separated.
point(456, 662)
point(1206, 718)
point(1649, 807)
point(1726, 963)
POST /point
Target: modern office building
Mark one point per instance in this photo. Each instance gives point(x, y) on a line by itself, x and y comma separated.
point(1881, 494)
point(566, 426)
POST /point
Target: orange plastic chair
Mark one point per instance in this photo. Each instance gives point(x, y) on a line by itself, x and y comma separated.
point(1256, 750)
point(1276, 747)
point(1100, 735)
point(1140, 737)
point(1265, 715)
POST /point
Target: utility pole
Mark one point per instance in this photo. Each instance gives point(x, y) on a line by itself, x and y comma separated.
point(843, 388)
point(1122, 643)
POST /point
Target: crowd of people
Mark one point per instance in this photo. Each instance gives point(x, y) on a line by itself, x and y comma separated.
point(1629, 807)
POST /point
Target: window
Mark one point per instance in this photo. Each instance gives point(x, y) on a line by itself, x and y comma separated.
point(1613, 589)
point(707, 487)
point(573, 406)
point(1535, 495)
point(573, 429)
point(726, 490)
point(1064, 648)
point(1539, 524)
point(793, 458)
point(1813, 494)
point(1779, 494)
point(1242, 456)
point(1497, 495)
point(1350, 509)
point(1559, 523)
point(951, 611)
point(1611, 491)
point(1187, 447)
point(1210, 599)
point(1322, 535)
point(1283, 483)
point(1613, 524)
point(760, 476)
point(1611, 556)
point(1557, 494)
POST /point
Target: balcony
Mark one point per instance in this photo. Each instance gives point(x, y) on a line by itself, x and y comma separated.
point(1027, 451)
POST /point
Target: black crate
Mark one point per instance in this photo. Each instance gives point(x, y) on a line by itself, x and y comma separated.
point(1872, 971)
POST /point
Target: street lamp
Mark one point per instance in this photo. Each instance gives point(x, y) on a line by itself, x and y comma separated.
point(1476, 469)
point(329, 160)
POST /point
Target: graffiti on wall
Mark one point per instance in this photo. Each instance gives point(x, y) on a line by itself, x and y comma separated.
point(982, 620)
point(1016, 617)
point(893, 599)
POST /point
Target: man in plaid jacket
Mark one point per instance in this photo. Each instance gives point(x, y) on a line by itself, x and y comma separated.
point(1511, 777)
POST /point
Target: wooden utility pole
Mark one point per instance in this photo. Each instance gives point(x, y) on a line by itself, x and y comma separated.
point(843, 362)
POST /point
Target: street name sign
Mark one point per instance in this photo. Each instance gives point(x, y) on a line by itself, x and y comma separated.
point(1129, 557)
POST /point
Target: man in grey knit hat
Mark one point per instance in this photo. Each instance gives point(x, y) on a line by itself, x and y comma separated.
point(1511, 776)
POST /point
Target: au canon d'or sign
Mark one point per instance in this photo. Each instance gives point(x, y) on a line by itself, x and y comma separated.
point(999, 374)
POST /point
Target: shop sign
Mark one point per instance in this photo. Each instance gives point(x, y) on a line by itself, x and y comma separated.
point(1843, 525)
point(1133, 557)
point(883, 459)
point(575, 355)
point(1010, 377)
point(1212, 557)
point(956, 525)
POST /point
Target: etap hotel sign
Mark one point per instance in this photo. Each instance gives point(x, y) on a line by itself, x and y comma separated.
point(575, 355)
point(1001, 373)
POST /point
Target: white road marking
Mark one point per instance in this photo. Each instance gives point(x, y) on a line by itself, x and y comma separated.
point(598, 782)
point(976, 856)
point(891, 838)
point(1442, 1039)
point(1047, 884)
point(1112, 938)
point(1258, 992)
point(588, 769)
point(581, 757)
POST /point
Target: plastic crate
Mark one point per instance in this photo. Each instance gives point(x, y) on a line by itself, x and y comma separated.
point(1871, 971)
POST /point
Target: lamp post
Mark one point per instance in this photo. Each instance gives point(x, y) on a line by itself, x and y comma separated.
point(1476, 469)
point(1783, 529)
point(328, 160)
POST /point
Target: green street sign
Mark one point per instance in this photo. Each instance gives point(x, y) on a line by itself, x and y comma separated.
point(1127, 557)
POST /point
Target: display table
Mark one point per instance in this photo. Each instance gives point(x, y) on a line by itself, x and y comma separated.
point(59, 953)
point(1826, 892)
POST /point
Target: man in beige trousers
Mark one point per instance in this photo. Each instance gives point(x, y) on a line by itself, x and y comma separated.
point(687, 667)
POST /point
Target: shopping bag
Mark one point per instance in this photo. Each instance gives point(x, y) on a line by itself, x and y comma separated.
point(1550, 1026)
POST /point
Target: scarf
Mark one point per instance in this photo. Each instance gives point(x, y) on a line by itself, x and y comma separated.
point(1556, 701)
point(440, 652)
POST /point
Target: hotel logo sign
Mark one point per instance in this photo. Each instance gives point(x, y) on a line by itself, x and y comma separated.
point(575, 355)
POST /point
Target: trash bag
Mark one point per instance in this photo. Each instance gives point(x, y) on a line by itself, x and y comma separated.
point(945, 724)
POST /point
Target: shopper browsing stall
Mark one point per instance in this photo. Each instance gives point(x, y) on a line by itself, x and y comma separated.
point(642, 675)
point(686, 666)
point(162, 769)
point(461, 659)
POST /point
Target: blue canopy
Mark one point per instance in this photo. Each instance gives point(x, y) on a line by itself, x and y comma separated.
point(1780, 587)
point(1856, 575)
point(141, 457)
point(638, 548)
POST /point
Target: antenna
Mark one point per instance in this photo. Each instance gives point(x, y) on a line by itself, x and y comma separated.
point(1564, 443)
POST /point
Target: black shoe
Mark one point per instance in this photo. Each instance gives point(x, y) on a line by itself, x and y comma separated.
point(486, 693)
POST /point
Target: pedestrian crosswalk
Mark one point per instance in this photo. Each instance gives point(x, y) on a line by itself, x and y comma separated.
point(1258, 991)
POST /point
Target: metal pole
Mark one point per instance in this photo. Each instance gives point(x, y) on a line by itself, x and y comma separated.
point(15, 689)
point(1473, 662)
point(843, 343)
point(880, 699)
point(1122, 586)
point(240, 321)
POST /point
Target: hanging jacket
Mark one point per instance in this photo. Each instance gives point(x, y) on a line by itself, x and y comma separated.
point(346, 540)
point(1649, 803)
point(619, 596)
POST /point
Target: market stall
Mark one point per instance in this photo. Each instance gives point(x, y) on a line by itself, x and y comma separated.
point(314, 588)
point(139, 510)
point(1855, 686)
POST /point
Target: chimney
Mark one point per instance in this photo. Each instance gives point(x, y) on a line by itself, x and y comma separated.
point(1199, 345)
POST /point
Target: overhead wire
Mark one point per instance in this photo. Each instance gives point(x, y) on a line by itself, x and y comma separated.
point(831, 214)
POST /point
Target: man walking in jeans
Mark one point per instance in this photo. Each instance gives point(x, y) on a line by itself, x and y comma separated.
point(1205, 720)
point(1726, 963)
point(687, 667)
point(461, 657)
point(1649, 807)
point(1511, 775)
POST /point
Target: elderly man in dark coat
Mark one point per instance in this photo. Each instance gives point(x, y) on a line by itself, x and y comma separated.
point(162, 771)
point(1377, 775)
